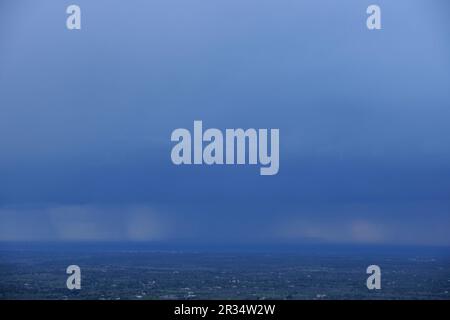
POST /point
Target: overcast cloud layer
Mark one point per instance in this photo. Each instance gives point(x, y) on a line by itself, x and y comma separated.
point(86, 118)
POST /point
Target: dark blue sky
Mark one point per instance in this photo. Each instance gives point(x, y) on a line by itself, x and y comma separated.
point(86, 118)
